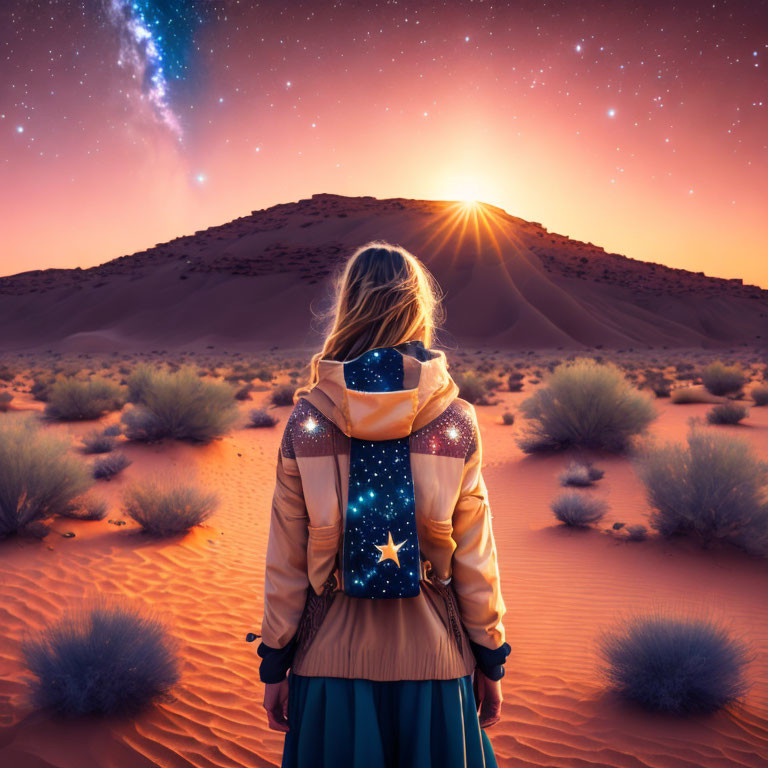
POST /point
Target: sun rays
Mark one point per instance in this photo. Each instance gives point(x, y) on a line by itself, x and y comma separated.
point(472, 220)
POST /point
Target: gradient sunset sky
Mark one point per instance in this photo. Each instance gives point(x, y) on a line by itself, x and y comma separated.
point(640, 127)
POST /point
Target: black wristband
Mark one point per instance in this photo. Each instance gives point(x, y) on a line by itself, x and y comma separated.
point(490, 661)
point(275, 661)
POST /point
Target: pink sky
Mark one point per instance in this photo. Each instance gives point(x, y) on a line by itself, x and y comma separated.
point(595, 125)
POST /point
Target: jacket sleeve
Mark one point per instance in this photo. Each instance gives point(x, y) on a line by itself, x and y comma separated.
point(285, 579)
point(475, 570)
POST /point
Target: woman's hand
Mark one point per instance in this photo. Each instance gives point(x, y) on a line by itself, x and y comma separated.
point(276, 704)
point(488, 698)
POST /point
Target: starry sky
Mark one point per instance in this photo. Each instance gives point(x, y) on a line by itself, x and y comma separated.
point(642, 127)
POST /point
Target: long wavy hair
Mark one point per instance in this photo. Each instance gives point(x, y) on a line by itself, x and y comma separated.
point(383, 296)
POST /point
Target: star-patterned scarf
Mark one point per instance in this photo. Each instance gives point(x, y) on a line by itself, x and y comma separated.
point(381, 545)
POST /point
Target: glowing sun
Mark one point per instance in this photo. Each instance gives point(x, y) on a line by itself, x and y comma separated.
point(466, 191)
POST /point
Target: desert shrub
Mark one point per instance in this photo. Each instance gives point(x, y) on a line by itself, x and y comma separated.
point(179, 405)
point(75, 399)
point(259, 417)
point(98, 442)
point(485, 366)
point(585, 404)
point(580, 474)
point(474, 388)
point(720, 379)
point(139, 380)
point(678, 666)
point(113, 430)
point(636, 532)
point(508, 418)
point(106, 468)
point(714, 489)
point(38, 477)
point(263, 374)
point(166, 511)
point(727, 413)
point(578, 509)
point(5, 401)
point(91, 509)
point(687, 395)
point(661, 388)
point(760, 394)
point(101, 661)
point(41, 386)
point(515, 381)
point(244, 393)
point(7, 373)
point(35, 530)
point(282, 395)
point(656, 381)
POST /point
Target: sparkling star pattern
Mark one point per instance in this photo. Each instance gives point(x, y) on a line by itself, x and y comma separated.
point(381, 500)
point(309, 433)
point(389, 550)
point(381, 503)
point(125, 123)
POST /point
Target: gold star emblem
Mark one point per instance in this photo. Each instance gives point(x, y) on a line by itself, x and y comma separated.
point(389, 550)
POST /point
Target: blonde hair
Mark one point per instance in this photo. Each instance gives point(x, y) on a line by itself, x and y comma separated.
point(383, 296)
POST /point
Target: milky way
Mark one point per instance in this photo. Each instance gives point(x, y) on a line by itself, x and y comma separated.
point(142, 53)
point(636, 126)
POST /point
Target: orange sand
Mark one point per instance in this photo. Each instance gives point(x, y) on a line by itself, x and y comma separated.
point(560, 587)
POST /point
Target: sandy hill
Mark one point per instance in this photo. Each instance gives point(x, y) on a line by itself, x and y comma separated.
point(263, 279)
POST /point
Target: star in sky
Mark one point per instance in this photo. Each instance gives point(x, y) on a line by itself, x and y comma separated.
point(389, 550)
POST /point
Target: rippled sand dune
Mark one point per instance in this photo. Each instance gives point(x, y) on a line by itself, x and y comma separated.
point(561, 587)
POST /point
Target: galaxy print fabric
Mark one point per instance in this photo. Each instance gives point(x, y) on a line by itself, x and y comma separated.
point(381, 545)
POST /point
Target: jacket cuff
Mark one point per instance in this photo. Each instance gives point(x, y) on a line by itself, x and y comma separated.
point(490, 661)
point(275, 661)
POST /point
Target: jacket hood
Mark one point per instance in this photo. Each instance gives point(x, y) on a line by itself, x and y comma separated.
point(427, 390)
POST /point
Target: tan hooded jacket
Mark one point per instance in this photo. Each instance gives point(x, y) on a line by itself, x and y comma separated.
point(385, 639)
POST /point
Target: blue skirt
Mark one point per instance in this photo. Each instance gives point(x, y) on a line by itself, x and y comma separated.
point(351, 723)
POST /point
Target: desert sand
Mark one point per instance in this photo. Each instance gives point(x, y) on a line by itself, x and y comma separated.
point(270, 270)
point(561, 588)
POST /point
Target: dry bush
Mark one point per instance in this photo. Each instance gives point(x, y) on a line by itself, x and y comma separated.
point(474, 388)
point(109, 466)
point(578, 510)
point(164, 511)
point(688, 395)
point(759, 394)
point(260, 418)
point(714, 489)
point(75, 399)
point(282, 395)
point(675, 666)
point(587, 405)
point(103, 661)
point(580, 474)
point(39, 478)
point(727, 413)
point(721, 379)
point(179, 405)
point(97, 441)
